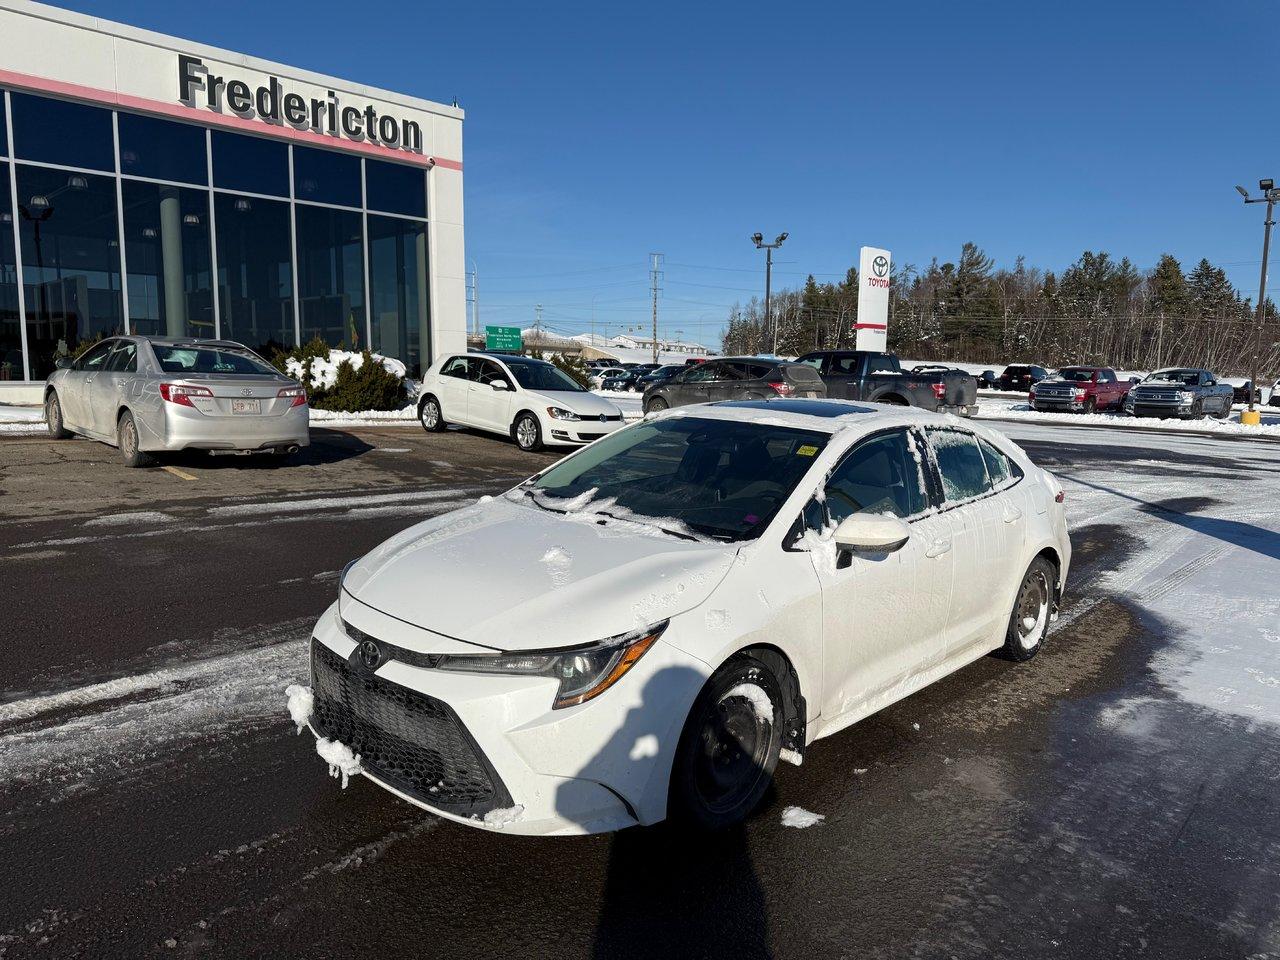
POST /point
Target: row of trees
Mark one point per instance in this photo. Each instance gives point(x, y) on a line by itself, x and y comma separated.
point(1097, 310)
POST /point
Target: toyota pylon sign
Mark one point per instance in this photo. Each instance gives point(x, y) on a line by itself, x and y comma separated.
point(873, 299)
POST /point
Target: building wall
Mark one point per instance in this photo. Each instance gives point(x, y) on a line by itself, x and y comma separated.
point(55, 53)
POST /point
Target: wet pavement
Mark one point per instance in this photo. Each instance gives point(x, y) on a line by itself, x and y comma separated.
point(1103, 800)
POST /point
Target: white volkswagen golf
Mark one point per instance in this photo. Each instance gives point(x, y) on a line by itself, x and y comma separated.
point(529, 400)
point(645, 628)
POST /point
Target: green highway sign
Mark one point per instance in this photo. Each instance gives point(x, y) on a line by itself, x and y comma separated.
point(502, 338)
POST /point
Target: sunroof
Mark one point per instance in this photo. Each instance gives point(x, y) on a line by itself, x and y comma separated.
point(808, 408)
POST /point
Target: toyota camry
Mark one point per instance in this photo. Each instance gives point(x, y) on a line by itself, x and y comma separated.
point(645, 628)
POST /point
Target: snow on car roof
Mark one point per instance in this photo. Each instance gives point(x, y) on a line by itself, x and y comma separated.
point(829, 416)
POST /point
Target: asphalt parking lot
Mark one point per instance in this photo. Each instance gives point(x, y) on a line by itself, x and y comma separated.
point(154, 799)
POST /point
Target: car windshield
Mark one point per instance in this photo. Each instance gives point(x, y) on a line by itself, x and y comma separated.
point(188, 358)
point(1077, 375)
point(1188, 377)
point(691, 477)
point(542, 376)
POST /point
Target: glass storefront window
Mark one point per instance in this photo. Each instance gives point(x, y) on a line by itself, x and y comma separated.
point(58, 131)
point(4, 130)
point(251, 164)
point(166, 232)
point(255, 276)
point(395, 188)
point(162, 150)
point(398, 289)
point(331, 275)
point(10, 329)
point(70, 261)
point(323, 176)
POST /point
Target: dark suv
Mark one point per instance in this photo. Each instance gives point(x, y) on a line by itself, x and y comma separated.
point(1021, 376)
point(735, 378)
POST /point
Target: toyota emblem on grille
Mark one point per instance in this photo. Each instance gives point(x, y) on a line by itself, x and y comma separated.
point(370, 654)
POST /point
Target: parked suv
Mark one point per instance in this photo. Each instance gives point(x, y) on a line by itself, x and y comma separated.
point(874, 376)
point(1183, 392)
point(735, 378)
point(1021, 376)
point(1080, 390)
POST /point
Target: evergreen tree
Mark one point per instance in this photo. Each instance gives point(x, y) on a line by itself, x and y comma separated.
point(1169, 293)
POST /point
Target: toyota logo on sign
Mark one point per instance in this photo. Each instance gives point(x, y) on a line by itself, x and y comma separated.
point(880, 266)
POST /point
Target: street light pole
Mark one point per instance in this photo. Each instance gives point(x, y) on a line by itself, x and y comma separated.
point(1270, 195)
point(768, 248)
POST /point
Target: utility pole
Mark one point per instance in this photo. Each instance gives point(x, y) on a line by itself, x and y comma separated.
point(1270, 195)
point(655, 288)
point(537, 322)
point(473, 296)
point(768, 248)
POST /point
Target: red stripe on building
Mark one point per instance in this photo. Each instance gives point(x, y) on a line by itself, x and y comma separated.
point(24, 81)
point(871, 326)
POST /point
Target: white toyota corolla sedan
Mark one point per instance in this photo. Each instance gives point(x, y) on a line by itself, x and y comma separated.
point(645, 628)
point(528, 400)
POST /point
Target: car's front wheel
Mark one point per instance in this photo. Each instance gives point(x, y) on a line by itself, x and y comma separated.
point(1032, 610)
point(127, 441)
point(430, 415)
point(729, 747)
point(53, 417)
point(655, 405)
point(527, 432)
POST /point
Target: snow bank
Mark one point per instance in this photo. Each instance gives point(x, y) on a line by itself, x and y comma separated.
point(342, 762)
point(754, 695)
point(300, 703)
point(1270, 426)
point(801, 818)
point(324, 373)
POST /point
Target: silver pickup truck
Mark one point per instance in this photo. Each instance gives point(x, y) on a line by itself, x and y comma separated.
point(1183, 392)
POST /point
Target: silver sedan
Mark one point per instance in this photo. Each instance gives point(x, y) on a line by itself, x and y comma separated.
point(151, 394)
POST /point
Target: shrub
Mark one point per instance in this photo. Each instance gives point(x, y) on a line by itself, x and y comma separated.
point(346, 382)
point(573, 366)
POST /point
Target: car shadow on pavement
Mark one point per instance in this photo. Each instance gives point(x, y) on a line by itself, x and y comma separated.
point(669, 890)
point(327, 446)
point(1248, 536)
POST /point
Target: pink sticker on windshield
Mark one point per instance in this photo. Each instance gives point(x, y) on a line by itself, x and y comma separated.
point(750, 518)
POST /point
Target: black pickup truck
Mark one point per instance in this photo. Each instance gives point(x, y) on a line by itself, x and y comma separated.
point(1188, 393)
point(867, 375)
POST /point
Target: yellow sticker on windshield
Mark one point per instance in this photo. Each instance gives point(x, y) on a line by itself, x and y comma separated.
point(808, 450)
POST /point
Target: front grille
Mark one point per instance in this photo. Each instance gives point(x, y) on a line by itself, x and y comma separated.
point(412, 741)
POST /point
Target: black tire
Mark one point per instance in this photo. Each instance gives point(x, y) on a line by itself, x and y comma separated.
point(527, 433)
point(1091, 405)
point(727, 753)
point(1225, 413)
point(127, 441)
point(53, 417)
point(1197, 411)
point(1034, 602)
point(431, 423)
point(655, 405)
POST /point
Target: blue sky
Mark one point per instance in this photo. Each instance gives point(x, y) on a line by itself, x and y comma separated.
point(597, 133)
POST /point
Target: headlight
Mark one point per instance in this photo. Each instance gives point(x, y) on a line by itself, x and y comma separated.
point(560, 413)
point(1186, 395)
point(583, 672)
point(1081, 394)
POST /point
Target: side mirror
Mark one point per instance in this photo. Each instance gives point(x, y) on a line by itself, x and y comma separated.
point(1135, 379)
point(499, 385)
point(64, 363)
point(871, 533)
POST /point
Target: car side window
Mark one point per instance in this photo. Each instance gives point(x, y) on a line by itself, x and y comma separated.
point(124, 358)
point(1000, 468)
point(815, 362)
point(845, 365)
point(456, 367)
point(703, 372)
point(961, 464)
point(94, 358)
point(879, 364)
point(490, 371)
point(1107, 376)
point(880, 475)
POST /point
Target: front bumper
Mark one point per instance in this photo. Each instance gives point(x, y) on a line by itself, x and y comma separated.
point(578, 432)
point(1056, 405)
point(492, 742)
point(1163, 410)
point(186, 428)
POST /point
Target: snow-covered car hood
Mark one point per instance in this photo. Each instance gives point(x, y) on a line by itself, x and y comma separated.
point(584, 404)
point(515, 577)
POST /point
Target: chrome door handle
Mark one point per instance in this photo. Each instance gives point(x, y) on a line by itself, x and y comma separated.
point(940, 546)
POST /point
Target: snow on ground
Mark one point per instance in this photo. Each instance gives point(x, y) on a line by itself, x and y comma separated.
point(992, 408)
point(800, 818)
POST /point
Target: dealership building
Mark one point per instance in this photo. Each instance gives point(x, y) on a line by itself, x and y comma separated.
point(157, 186)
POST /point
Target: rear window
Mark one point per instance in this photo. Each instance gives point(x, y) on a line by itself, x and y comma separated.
point(960, 461)
point(801, 371)
point(186, 359)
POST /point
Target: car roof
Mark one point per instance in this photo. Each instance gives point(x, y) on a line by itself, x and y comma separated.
point(509, 358)
point(187, 341)
point(825, 416)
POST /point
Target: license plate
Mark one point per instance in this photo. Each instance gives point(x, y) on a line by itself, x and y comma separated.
point(246, 406)
point(811, 393)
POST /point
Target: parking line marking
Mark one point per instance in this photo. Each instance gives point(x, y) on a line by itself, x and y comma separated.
point(182, 474)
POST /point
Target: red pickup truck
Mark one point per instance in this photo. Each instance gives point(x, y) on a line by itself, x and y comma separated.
point(1081, 389)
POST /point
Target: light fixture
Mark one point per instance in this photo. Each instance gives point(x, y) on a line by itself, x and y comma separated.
point(243, 205)
point(757, 238)
point(149, 232)
point(38, 202)
point(1242, 191)
point(191, 220)
point(77, 182)
point(781, 237)
point(1265, 185)
point(6, 218)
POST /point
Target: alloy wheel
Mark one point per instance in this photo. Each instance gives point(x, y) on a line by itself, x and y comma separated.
point(1033, 609)
point(526, 432)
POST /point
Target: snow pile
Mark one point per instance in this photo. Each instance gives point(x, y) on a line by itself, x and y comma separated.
point(759, 700)
point(341, 760)
point(645, 746)
point(716, 619)
point(801, 818)
point(497, 819)
point(324, 373)
point(407, 415)
point(559, 563)
point(1270, 426)
point(300, 703)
